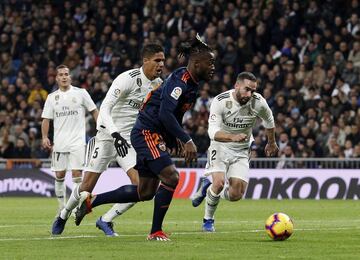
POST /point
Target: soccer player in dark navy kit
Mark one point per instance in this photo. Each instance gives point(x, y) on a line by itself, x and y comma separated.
point(158, 127)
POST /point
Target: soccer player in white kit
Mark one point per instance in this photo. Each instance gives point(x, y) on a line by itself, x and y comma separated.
point(233, 114)
point(66, 107)
point(117, 116)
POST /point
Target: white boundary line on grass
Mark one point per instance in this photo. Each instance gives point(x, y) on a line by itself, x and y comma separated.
point(174, 233)
point(124, 223)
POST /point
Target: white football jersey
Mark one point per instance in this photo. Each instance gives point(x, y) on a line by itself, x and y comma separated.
point(226, 114)
point(122, 102)
point(67, 109)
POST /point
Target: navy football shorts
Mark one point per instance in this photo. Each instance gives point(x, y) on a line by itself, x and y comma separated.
point(151, 153)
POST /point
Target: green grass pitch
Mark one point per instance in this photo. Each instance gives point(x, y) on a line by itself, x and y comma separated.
point(327, 229)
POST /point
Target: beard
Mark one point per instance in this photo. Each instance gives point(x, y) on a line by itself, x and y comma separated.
point(242, 100)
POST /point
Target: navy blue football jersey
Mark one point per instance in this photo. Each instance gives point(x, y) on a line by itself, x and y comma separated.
point(165, 106)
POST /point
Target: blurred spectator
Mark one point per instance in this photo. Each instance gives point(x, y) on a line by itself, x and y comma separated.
point(203, 100)
point(305, 54)
point(38, 93)
point(286, 153)
point(21, 149)
point(6, 144)
point(348, 149)
point(354, 54)
point(201, 141)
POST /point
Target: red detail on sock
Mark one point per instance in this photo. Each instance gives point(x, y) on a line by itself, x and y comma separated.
point(167, 187)
point(88, 204)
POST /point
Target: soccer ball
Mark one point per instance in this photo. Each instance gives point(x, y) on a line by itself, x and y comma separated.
point(279, 226)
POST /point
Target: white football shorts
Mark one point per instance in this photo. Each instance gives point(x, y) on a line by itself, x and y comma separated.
point(101, 152)
point(63, 161)
point(233, 164)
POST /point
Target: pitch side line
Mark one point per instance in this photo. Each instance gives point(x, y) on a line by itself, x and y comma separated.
point(191, 222)
point(174, 233)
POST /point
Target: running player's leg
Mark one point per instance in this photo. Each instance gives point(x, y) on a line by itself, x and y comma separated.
point(127, 164)
point(216, 166)
point(237, 176)
point(89, 180)
point(169, 179)
point(148, 185)
point(76, 164)
point(105, 222)
point(102, 154)
point(148, 182)
point(212, 200)
point(153, 156)
point(146, 189)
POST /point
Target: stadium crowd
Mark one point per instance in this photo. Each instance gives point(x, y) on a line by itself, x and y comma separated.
point(306, 55)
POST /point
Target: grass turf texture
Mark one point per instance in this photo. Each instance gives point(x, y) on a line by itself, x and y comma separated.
point(327, 229)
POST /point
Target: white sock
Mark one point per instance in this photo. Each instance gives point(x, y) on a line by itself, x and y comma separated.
point(224, 194)
point(71, 203)
point(212, 200)
point(60, 191)
point(116, 210)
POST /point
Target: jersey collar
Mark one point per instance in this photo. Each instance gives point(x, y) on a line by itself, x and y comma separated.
point(70, 88)
point(143, 76)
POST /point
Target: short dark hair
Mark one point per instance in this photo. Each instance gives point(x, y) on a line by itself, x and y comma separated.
point(246, 75)
point(151, 49)
point(62, 66)
point(194, 47)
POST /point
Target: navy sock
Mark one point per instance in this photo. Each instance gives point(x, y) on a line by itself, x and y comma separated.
point(124, 194)
point(162, 202)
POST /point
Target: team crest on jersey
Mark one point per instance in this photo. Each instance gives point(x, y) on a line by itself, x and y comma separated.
point(228, 104)
point(117, 92)
point(162, 146)
point(176, 93)
point(57, 97)
point(213, 117)
point(139, 82)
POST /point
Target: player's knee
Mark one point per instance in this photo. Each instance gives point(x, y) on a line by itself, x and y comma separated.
point(172, 179)
point(218, 186)
point(146, 195)
point(236, 195)
point(175, 179)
